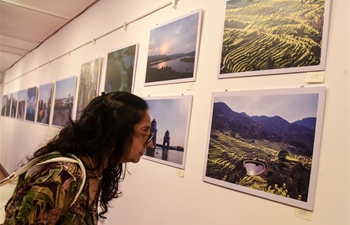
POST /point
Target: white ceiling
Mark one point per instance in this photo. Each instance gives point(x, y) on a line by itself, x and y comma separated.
point(25, 24)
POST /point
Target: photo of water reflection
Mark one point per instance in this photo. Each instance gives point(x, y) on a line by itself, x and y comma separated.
point(170, 118)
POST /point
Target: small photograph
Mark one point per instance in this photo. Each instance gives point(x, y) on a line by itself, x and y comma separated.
point(170, 119)
point(120, 71)
point(64, 99)
point(3, 105)
point(173, 50)
point(31, 103)
point(8, 105)
point(14, 100)
point(266, 143)
point(88, 84)
point(21, 106)
point(269, 37)
point(44, 103)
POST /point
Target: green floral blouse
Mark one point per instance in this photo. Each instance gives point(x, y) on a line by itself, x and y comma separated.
point(45, 197)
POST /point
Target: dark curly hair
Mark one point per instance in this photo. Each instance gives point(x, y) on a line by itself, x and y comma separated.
point(104, 131)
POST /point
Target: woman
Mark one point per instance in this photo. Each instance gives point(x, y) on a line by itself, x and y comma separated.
point(113, 129)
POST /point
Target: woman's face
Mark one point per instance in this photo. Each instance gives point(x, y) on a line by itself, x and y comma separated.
point(139, 145)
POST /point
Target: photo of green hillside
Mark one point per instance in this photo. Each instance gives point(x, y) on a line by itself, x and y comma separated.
point(264, 35)
point(264, 142)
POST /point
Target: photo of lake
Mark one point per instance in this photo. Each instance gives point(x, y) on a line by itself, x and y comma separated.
point(173, 50)
point(169, 124)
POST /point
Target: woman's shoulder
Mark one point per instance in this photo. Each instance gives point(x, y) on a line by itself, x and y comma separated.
point(58, 164)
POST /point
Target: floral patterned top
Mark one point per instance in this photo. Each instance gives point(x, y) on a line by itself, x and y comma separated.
point(45, 197)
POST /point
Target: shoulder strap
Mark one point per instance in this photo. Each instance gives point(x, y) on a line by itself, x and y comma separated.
point(36, 161)
point(74, 159)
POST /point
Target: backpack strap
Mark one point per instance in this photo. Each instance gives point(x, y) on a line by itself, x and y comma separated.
point(29, 168)
point(74, 159)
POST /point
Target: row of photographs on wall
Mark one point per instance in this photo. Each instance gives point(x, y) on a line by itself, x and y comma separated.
point(245, 152)
point(261, 142)
point(258, 38)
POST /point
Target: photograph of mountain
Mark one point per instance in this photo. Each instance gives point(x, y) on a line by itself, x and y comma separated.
point(172, 52)
point(266, 143)
point(264, 37)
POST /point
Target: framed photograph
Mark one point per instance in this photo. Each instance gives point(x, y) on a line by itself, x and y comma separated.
point(44, 103)
point(267, 143)
point(270, 37)
point(88, 84)
point(64, 100)
point(170, 118)
point(21, 106)
point(121, 68)
point(4, 105)
point(14, 100)
point(31, 104)
point(173, 50)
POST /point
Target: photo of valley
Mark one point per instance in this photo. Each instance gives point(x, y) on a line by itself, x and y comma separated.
point(172, 50)
point(272, 34)
point(264, 142)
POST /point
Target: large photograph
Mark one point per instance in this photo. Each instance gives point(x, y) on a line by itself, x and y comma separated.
point(173, 51)
point(44, 103)
point(267, 143)
point(21, 106)
point(264, 37)
point(120, 71)
point(31, 103)
point(64, 100)
point(88, 84)
point(170, 118)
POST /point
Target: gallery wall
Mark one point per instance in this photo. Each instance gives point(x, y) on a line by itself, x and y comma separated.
point(154, 193)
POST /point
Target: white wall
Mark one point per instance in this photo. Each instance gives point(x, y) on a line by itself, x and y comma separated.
point(153, 193)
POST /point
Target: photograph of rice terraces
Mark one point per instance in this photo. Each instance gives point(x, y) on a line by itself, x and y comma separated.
point(173, 50)
point(264, 37)
point(266, 143)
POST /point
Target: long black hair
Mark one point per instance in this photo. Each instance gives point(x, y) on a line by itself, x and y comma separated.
point(104, 131)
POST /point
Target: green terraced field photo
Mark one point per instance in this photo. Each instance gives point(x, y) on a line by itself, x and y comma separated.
point(273, 36)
